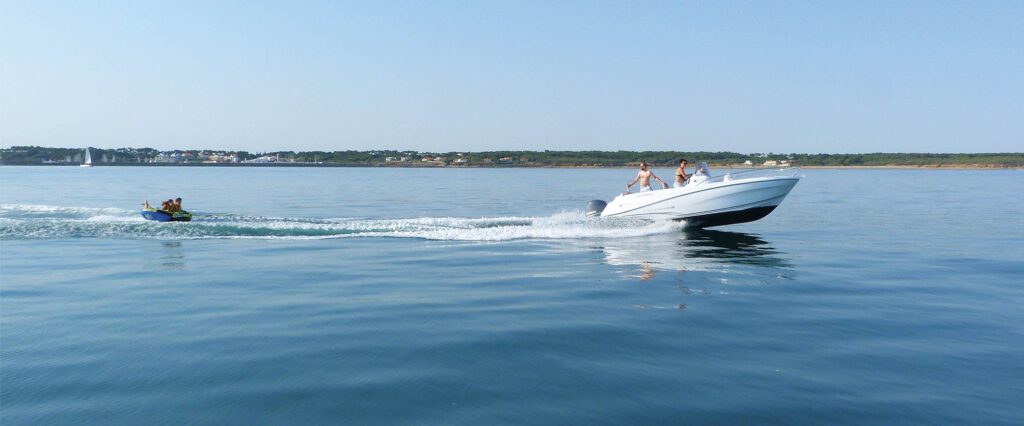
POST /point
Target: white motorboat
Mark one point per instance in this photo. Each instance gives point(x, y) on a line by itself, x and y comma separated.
point(706, 200)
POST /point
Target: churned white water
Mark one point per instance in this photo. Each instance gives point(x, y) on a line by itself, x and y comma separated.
point(41, 221)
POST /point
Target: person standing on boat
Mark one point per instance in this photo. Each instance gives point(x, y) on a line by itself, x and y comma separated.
point(644, 177)
point(681, 176)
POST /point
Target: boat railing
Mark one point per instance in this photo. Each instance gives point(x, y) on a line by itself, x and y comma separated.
point(752, 174)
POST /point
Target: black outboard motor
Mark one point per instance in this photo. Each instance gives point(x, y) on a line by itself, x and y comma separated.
point(595, 207)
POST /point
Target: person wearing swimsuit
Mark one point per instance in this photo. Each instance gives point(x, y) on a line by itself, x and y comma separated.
point(644, 176)
point(681, 176)
point(169, 206)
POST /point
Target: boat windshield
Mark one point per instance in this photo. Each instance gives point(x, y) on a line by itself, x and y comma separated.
point(703, 170)
point(751, 174)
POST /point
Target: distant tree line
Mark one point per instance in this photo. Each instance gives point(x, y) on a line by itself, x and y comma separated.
point(34, 155)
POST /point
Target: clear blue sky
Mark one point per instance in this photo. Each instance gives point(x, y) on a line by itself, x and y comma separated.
point(814, 76)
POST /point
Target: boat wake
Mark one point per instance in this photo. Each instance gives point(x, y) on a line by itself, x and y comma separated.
point(18, 221)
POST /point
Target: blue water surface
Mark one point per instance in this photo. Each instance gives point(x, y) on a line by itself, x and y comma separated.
point(479, 296)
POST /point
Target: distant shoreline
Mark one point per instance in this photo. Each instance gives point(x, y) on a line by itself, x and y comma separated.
point(33, 155)
point(926, 166)
point(538, 166)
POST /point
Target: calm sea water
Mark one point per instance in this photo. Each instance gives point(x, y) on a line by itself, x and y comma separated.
point(479, 296)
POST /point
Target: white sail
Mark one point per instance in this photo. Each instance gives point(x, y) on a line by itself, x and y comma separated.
point(88, 159)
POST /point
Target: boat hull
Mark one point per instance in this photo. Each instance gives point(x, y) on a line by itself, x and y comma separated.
point(728, 218)
point(716, 204)
point(162, 216)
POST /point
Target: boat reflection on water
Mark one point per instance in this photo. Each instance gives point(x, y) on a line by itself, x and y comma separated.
point(697, 250)
point(732, 247)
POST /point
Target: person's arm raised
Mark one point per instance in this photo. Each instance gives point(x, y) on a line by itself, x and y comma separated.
point(664, 184)
point(628, 185)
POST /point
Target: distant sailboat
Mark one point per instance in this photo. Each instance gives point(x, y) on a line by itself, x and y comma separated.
point(88, 159)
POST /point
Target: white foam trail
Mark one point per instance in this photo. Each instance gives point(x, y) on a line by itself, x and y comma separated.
point(561, 226)
point(111, 218)
point(43, 210)
point(30, 221)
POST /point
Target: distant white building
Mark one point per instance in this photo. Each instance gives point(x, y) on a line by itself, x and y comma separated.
point(164, 157)
point(771, 163)
point(748, 163)
point(220, 158)
point(264, 159)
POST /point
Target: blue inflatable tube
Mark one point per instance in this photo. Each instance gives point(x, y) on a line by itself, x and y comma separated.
point(163, 216)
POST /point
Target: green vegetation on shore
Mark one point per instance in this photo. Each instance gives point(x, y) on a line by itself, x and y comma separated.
point(31, 155)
